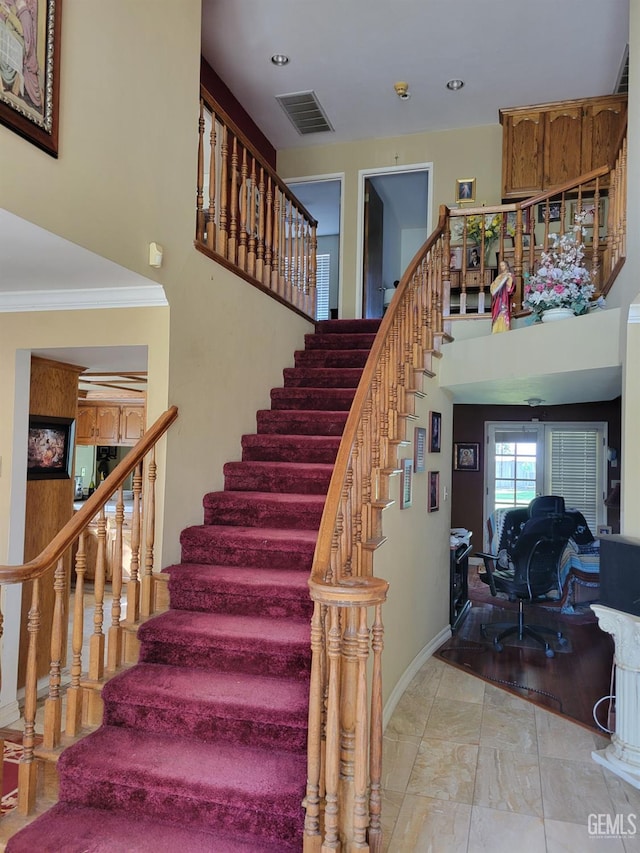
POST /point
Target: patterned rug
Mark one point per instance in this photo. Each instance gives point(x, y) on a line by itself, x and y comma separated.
point(10, 760)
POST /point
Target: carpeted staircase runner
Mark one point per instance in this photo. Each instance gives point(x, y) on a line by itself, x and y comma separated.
point(203, 743)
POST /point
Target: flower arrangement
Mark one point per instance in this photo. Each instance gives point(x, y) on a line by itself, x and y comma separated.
point(492, 226)
point(562, 281)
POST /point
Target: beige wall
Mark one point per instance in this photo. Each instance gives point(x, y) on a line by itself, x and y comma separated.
point(475, 152)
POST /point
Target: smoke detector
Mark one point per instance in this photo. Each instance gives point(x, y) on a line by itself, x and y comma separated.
point(402, 90)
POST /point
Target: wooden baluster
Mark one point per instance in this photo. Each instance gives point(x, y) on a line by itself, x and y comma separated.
point(146, 604)
point(223, 231)
point(313, 272)
point(332, 749)
point(314, 736)
point(268, 237)
point(232, 244)
point(133, 585)
point(361, 746)
point(277, 230)
point(27, 768)
point(211, 214)
point(253, 202)
point(114, 643)
point(260, 244)
point(348, 684)
point(200, 186)
point(53, 702)
point(244, 191)
point(595, 256)
point(96, 643)
point(376, 733)
point(74, 691)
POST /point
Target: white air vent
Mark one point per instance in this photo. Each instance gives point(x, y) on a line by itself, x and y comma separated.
point(305, 112)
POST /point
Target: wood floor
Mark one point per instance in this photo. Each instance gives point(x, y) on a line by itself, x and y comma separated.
point(569, 683)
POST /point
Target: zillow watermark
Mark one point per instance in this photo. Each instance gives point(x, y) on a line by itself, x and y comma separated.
point(612, 825)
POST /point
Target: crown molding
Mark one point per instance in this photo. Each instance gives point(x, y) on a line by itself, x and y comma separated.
point(140, 296)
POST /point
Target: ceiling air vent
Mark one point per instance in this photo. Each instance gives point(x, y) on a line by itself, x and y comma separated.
point(305, 112)
point(622, 83)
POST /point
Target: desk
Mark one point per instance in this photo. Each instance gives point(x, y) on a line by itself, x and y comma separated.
point(459, 603)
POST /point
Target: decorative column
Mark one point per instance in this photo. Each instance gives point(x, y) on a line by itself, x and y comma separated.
point(622, 756)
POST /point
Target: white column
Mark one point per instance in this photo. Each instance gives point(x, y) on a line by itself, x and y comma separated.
point(622, 756)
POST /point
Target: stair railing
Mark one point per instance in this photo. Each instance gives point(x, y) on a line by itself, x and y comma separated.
point(343, 798)
point(49, 570)
point(248, 219)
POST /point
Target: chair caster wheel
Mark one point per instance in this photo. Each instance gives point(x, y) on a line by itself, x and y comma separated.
point(549, 653)
point(498, 647)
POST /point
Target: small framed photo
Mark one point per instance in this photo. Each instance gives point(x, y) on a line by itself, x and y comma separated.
point(555, 208)
point(419, 449)
point(473, 258)
point(465, 189)
point(588, 207)
point(509, 221)
point(466, 457)
point(406, 484)
point(455, 261)
point(435, 422)
point(433, 497)
point(49, 448)
point(604, 530)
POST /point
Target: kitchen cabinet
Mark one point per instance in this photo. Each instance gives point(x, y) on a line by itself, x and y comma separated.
point(548, 144)
point(110, 423)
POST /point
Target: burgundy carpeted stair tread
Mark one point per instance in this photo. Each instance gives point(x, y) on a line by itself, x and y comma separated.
point(262, 547)
point(298, 477)
point(267, 509)
point(78, 829)
point(290, 448)
point(209, 706)
point(349, 340)
point(235, 788)
point(250, 644)
point(301, 422)
point(330, 358)
point(240, 589)
point(332, 399)
point(321, 377)
point(347, 326)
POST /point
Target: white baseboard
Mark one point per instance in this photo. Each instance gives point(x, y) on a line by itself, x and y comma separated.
point(9, 714)
point(410, 672)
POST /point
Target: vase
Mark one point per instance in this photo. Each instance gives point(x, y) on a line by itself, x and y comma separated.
point(553, 314)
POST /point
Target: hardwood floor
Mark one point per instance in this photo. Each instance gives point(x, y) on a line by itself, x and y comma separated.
point(568, 684)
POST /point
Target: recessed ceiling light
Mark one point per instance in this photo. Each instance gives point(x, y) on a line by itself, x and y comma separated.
point(454, 85)
point(534, 401)
point(280, 59)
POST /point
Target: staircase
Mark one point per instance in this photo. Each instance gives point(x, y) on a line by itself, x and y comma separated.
point(202, 746)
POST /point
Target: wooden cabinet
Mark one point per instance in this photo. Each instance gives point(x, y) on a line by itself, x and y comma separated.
point(110, 423)
point(548, 144)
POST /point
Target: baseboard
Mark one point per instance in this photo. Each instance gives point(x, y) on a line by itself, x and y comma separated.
point(414, 667)
point(9, 714)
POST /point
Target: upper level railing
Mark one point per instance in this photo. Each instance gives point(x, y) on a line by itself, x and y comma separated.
point(248, 219)
point(519, 232)
point(49, 575)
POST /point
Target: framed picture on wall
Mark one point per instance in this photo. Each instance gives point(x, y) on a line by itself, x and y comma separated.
point(433, 495)
point(466, 457)
point(465, 189)
point(419, 449)
point(435, 422)
point(406, 485)
point(49, 446)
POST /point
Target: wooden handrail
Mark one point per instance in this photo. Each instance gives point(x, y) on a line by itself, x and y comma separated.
point(64, 538)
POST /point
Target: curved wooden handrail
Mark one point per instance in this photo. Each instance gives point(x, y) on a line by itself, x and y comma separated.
point(64, 538)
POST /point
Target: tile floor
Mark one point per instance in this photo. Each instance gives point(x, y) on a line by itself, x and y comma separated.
point(469, 767)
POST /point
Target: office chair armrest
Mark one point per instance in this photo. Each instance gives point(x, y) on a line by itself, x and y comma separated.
point(489, 561)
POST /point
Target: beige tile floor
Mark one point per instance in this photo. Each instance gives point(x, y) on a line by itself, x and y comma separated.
point(469, 767)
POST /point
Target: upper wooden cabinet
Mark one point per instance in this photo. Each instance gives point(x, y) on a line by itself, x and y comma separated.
point(549, 144)
point(109, 423)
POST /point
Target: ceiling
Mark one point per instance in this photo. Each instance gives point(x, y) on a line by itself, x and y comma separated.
point(507, 52)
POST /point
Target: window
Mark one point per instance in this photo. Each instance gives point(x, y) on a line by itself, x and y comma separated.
point(323, 265)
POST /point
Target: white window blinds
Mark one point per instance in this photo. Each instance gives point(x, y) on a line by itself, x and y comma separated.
point(322, 286)
point(574, 457)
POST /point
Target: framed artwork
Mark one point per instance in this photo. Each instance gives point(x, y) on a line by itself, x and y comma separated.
point(604, 530)
point(433, 496)
point(466, 457)
point(435, 422)
point(29, 70)
point(473, 258)
point(455, 261)
point(465, 189)
point(49, 446)
point(419, 449)
point(406, 484)
point(509, 222)
point(555, 208)
point(588, 207)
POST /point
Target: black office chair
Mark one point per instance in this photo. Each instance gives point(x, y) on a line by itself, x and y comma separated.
point(530, 573)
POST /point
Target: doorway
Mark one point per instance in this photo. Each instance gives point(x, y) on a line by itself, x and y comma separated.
point(394, 215)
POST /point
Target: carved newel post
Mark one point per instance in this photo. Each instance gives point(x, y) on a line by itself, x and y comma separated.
point(622, 756)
